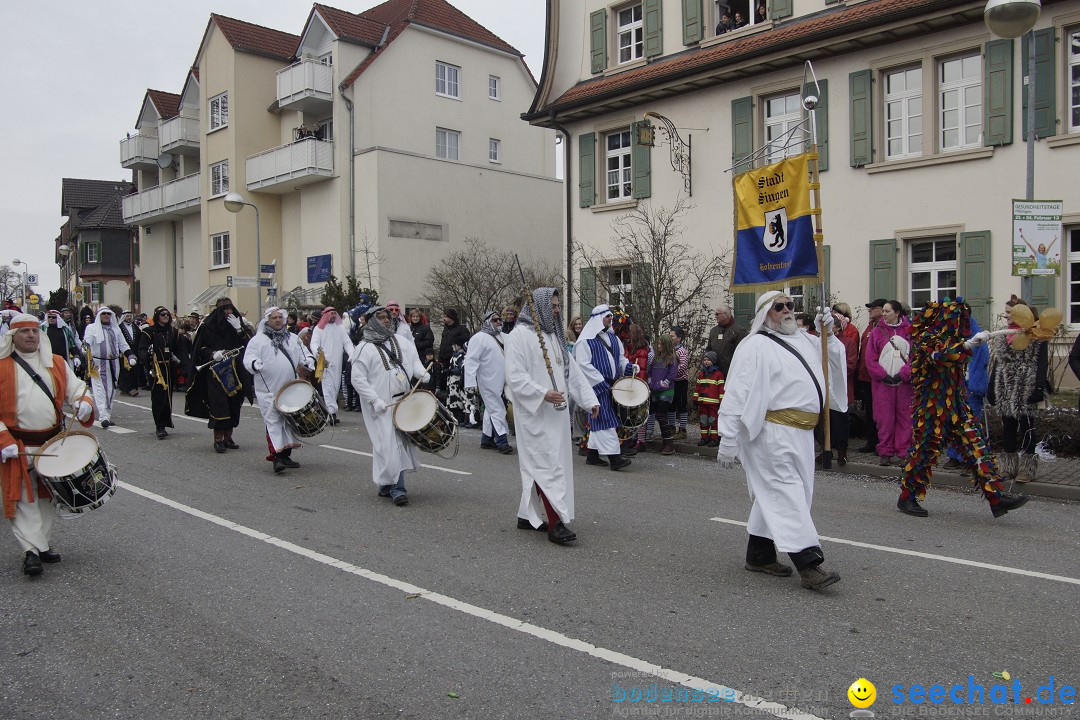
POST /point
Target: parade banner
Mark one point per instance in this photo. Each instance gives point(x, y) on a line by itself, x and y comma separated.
point(1036, 235)
point(774, 226)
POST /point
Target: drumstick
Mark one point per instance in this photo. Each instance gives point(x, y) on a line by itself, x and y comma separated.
point(37, 455)
point(414, 387)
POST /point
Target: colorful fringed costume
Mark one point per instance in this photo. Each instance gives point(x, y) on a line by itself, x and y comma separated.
point(942, 416)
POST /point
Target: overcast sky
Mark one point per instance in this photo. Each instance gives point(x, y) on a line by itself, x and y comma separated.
point(74, 76)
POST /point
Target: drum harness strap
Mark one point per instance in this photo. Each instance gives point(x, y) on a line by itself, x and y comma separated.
point(791, 417)
point(391, 356)
point(611, 349)
point(35, 435)
point(291, 364)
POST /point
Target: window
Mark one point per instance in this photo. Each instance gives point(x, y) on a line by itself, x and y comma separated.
point(447, 80)
point(797, 293)
point(93, 293)
point(446, 143)
point(493, 87)
point(93, 252)
point(619, 177)
point(1072, 315)
point(931, 270)
point(494, 148)
point(960, 102)
point(219, 178)
point(327, 59)
point(220, 250)
point(739, 14)
point(415, 230)
point(1074, 81)
point(630, 34)
point(219, 111)
point(782, 113)
point(325, 130)
point(620, 288)
point(903, 113)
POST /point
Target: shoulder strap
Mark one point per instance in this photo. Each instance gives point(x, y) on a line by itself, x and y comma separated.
point(796, 353)
point(37, 381)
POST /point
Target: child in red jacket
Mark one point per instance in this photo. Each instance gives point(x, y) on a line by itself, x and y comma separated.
point(708, 393)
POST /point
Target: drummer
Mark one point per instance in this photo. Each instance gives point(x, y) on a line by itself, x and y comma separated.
point(274, 357)
point(383, 369)
point(603, 362)
point(28, 418)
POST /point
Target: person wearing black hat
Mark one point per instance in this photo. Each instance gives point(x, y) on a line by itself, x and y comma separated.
point(863, 388)
point(454, 333)
point(159, 354)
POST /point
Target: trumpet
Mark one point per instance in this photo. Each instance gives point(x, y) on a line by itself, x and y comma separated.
point(159, 370)
point(228, 354)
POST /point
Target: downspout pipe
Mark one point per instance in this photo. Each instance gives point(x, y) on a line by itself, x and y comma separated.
point(569, 210)
point(352, 179)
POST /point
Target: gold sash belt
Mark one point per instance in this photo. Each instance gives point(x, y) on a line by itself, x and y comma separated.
point(793, 418)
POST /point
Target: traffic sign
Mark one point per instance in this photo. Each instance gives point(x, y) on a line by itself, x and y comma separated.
point(272, 293)
point(31, 279)
point(78, 294)
point(270, 269)
point(265, 282)
point(241, 281)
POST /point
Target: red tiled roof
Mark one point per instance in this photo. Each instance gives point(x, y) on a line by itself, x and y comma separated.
point(784, 35)
point(256, 39)
point(437, 14)
point(349, 26)
point(167, 103)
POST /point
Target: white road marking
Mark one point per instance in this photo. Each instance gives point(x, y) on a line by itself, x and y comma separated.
point(423, 465)
point(932, 556)
point(119, 430)
point(175, 415)
point(551, 636)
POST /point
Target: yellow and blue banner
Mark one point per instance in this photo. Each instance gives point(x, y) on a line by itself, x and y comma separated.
point(774, 225)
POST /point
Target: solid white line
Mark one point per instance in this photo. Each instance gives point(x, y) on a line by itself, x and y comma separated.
point(367, 454)
point(120, 430)
point(551, 636)
point(932, 556)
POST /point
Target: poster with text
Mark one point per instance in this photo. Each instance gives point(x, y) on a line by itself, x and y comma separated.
point(1036, 237)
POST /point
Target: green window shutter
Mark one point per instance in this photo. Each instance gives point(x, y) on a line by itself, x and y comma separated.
point(861, 91)
point(654, 27)
point(587, 170)
point(83, 253)
point(883, 269)
point(822, 121)
point(742, 132)
point(974, 281)
point(744, 309)
point(135, 251)
point(1042, 291)
point(100, 289)
point(998, 93)
point(137, 293)
point(1045, 105)
point(641, 162)
point(598, 40)
point(779, 9)
point(693, 22)
point(587, 290)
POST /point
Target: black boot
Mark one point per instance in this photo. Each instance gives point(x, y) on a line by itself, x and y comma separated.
point(911, 506)
point(219, 446)
point(278, 464)
point(594, 458)
point(560, 534)
point(618, 462)
point(32, 563)
point(285, 457)
point(1008, 502)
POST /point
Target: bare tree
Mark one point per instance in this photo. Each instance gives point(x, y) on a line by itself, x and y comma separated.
point(371, 260)
point(673, 282)
point(480, 278)
point(10, 283)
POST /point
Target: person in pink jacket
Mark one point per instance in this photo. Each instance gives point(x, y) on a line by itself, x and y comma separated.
point(892, 391)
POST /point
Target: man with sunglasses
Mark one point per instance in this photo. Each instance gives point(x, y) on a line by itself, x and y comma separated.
point(159, 353)
point(774, 396)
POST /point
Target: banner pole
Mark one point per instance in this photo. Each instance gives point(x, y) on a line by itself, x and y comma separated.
point(810, 103)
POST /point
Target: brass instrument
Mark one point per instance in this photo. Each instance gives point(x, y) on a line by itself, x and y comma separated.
point(320, 366)
point(228, 354)
point(159, 370)
point(91, 363)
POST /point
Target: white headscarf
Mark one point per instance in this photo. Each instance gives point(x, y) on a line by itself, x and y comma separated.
point(19, 321)
point(764, 304)
point(595, 325)
point(97, 331)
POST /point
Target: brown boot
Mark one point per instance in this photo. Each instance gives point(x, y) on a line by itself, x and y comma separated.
point(668, 448)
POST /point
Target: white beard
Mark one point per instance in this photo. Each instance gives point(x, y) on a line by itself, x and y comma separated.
point(786, 326)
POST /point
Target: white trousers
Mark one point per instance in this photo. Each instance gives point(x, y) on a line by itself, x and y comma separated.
point(104, 391)
point(331, 385)
point(606, 442)
point(494, 413)
point(33, 523)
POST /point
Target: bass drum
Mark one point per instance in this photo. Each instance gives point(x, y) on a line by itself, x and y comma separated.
point(302, 408)
point(76, 471)
point(426, 422)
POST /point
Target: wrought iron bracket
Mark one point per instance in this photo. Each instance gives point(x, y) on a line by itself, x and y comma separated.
point(680, 150)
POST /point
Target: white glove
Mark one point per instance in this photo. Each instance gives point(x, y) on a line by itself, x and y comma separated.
point(76, 363)
point(426, 379)
point(378, 407)
point(11, 451)
point(824, 321)
point(309, 363)
point(257, 365)
point(977, 339)
point(725, 455)
point(218, 355)
point(84, 411)
point(234, 321)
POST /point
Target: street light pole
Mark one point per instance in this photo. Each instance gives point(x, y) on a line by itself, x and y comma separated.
point(25, 284)
point(234, 203)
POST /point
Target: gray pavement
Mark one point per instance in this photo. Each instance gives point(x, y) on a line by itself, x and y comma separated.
point(211, 588)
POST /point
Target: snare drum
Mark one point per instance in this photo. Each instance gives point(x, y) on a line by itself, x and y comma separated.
point(630, 396)
point(76, 471)
point(302, 408)
point(425, 421)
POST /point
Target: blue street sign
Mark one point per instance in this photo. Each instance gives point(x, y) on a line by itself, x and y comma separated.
point(265, 282)
point(319, 268)
point(270, 269)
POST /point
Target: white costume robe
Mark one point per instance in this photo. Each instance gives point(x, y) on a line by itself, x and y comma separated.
point(391, 453)
point(34, 517)
point(107, 345)
point(277, 370)
point(334, 341)
point(403, 331)
point(778, 459)
point(485, 369)
point(543, 432)
point(606, 441)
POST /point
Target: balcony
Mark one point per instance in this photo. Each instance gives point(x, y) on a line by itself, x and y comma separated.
point(180, 135)
point(306, 86)
point(139, 152)
point(164, 202)
point(288, 167)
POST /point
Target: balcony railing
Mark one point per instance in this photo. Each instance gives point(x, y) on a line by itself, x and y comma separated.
point(180, 135)
point(282, 169)
point(307, 85)
point(164, 202)
point(139, 152)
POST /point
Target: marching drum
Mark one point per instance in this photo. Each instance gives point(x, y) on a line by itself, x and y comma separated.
point(76, 471)
point(424, 420)
point(302, 408)
point(630, 396)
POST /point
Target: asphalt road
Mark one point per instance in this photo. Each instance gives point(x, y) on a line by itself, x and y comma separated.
point(208, 587)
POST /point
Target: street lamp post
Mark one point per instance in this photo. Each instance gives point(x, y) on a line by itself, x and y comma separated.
point(25, 284)
point(66, 251)
point(234, 203)
point(1013, 19)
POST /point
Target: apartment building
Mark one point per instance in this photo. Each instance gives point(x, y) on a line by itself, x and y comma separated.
point(920, 121)
point(370, 143)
